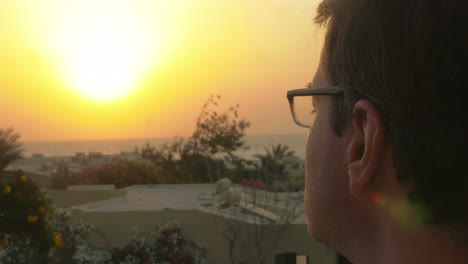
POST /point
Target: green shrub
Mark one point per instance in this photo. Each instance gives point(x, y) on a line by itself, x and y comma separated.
point(120, 172)
point(62, 176)
point(180, 164)
point(26, 231)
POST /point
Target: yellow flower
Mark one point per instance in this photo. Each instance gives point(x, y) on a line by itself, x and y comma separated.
point(7, 190)
point(18, 170)
point(57, 239)
point(5, 243)
point(42, 210)
point(32, 218)
point(4, 169)
point(24, 178)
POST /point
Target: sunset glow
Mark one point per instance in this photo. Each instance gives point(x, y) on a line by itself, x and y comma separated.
point(108, 69)
point(103, 50)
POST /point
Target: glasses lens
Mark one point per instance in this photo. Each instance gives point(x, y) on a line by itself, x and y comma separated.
point(304, 110)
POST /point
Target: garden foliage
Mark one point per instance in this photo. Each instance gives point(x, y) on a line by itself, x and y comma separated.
point(120, 172)
point(165, 245)
point(10, 148)
point(201, 157)
point(207, 156)
point(26, 229)
point(32, 231)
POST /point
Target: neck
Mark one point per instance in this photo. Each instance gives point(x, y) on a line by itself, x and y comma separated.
point(431, 245)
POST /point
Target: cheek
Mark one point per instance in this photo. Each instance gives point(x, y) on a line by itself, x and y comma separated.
point(324, 175)
point(315, 156)
point(314, 168)
point(309, 159)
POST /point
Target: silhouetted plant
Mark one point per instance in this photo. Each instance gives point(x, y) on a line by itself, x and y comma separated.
point(274, 162)
point(10, 148)
point(198, 158)
point(180, 164)
point(218, 134)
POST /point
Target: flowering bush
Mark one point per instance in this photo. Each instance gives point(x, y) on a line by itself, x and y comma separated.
point(166, 245)
point(253, 183)
point(74, 244)
point(26, 232)
point(31, 231)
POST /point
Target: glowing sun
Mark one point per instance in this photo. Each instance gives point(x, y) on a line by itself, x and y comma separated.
point(104, 48)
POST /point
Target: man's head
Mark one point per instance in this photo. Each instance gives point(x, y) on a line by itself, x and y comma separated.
point(399, 131)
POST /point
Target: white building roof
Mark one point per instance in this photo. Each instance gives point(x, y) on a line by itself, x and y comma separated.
point(156, 197)
point(174, 197)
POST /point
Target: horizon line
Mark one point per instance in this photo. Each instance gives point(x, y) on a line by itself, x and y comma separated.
point(143, 138)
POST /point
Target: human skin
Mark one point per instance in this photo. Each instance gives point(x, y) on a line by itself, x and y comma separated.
point(328, 201)
point(351, 190)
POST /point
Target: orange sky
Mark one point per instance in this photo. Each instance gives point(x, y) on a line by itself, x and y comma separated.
point(169, 56)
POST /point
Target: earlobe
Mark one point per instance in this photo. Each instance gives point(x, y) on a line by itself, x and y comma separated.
point(365, 148)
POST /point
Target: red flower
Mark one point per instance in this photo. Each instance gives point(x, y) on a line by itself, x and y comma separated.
point(260, 184)
point(174, 260)
point(116, 252)
point(181, 242)
point(146, 258)
point(130, 250)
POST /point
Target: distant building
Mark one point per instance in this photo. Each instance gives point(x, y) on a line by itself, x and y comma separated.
point(94, 155)
point(97, 158)
point(80, 155)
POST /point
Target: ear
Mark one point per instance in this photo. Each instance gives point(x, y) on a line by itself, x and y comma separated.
point(365, 149)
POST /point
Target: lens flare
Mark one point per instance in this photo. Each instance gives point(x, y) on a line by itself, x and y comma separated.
point(411, 216)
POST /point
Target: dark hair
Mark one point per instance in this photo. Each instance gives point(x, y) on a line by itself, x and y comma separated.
point(410, 58)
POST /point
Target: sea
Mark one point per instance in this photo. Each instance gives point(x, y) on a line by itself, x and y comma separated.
point(256, 144)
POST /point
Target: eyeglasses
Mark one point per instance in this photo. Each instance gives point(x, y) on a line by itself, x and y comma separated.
point(302, 103)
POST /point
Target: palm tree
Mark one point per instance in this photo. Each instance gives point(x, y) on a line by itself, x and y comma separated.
point(274, 162)
point(280, 152)
point(10, 148)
